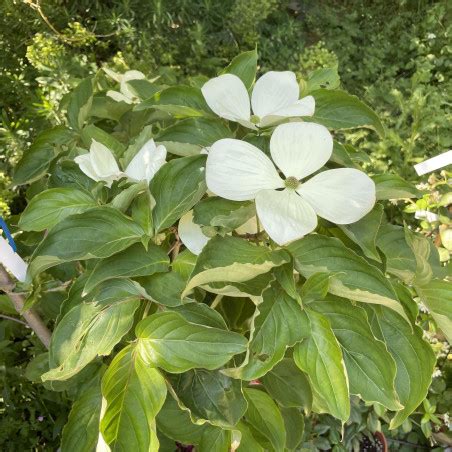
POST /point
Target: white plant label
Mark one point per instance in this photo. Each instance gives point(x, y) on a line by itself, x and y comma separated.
point(430, 165)
point(12, 261)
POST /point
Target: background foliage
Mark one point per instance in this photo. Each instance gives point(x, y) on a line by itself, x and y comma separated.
point(395, 57)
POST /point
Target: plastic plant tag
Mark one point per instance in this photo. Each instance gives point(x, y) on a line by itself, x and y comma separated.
point(430, 165)
point(8, 256)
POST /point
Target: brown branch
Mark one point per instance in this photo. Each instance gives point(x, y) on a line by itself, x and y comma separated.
point(31, 317)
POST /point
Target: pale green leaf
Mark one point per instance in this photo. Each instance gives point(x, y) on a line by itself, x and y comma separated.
point(320, 356)
point(169, 341)
point(231, 259)
point(134, 393)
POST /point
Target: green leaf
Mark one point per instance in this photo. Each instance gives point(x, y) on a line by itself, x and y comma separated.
point(230, 259)
point(325, 78)
point(184, 264)
point(391, 186)
point(211, 396)
point(142, 211)
point(288, 385)
point(96, 233)
point(248, 442)
point(315, 287)
point(201, 314)
point(339, 110)
point(134, 394)
point(278, 323)
point(133, 261)
point(320, 357)
point(81, 431)
point(141, 88)
point(107, 108)
point(169, 341)
point(179, 101)
point(265, 418)
point(353, 277)
point(219, 212)
point(50, 207)
point(437, 296)
point(164, 288)
point(244, 66)
point(400, 259)
point(91, 329)
point(37, 158)
point(285, 275)
point(342, 157)
point(191, 135)
point(364, 232)
point(371, 369)
point(80, 104)
point(414, 359)
point(176, 188)
point(216, 440)
point(294, 424)
point(91, 132)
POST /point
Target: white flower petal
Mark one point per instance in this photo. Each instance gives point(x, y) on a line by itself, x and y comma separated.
point(227, 96)
point(146, 162)
point(191, 234)
point(103, 161)
point(132, 75)
point(284, 215)
point(341, 195)
point(300, 148)
point(237, 170)
point(84, 162)
point(274, 91)
point(119, 97)
point(302, 107)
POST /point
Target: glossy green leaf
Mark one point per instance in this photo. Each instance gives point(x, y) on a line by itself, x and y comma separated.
point(179, 101)
point(264, 417)
point(400, 259)
point(371, 369)
point(392, 186)
point(315, 287)
point(191, 135)
point(216, 440)
point(91, 132)
point(325, 78)
point(91, 329)
point(278, 323)
point(169, 341)
point(134, 394)
point(96, 233)
point(339, 110)
point(184, 264)
point(142, 211)
point(212, 396)
point(294, 424)
point(231, 259)
point(364, 232)
point(50, 207)
point(201, 314)
point(82, 428)
point(176, 188)
point(215, 211)
point(80, 104)
point(141, 88)
point(164, 288)
point(244, 66)
point(37, 158)
point(288, 385)
point(353, 277)
point(320, 356)
point(413, 356)
point(133, 261)
point(437, 296)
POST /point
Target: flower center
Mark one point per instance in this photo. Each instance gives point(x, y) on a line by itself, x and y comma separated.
point(292, 182)
point(254, 119)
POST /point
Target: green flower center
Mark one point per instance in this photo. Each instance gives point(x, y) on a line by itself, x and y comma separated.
point(292, 182)
point(255, 119)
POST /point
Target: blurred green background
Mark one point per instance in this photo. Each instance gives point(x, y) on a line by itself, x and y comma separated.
point(394, 54)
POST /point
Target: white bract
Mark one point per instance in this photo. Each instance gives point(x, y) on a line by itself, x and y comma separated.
point(288, 208)
point(195, 240)
point(100, 164)
point(125, 94)
point(275, 97)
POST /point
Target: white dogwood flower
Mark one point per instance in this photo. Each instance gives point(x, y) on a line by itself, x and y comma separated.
point(125, 94)
point(195, 240)
point(100, 164)
point(288, 208)
point(275, 96)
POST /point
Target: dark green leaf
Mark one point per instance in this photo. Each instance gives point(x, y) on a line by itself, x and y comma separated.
point(164, 288)
point(391, 186)
point(176, 188)
point(244, 66)
point(326, 78)
point(91, 132)
point(80, 104)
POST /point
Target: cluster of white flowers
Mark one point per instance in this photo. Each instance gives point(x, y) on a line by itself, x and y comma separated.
point(286, 204)
point(100, 164)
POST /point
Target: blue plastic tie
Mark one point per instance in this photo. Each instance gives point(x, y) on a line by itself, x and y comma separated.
point(8, 235)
